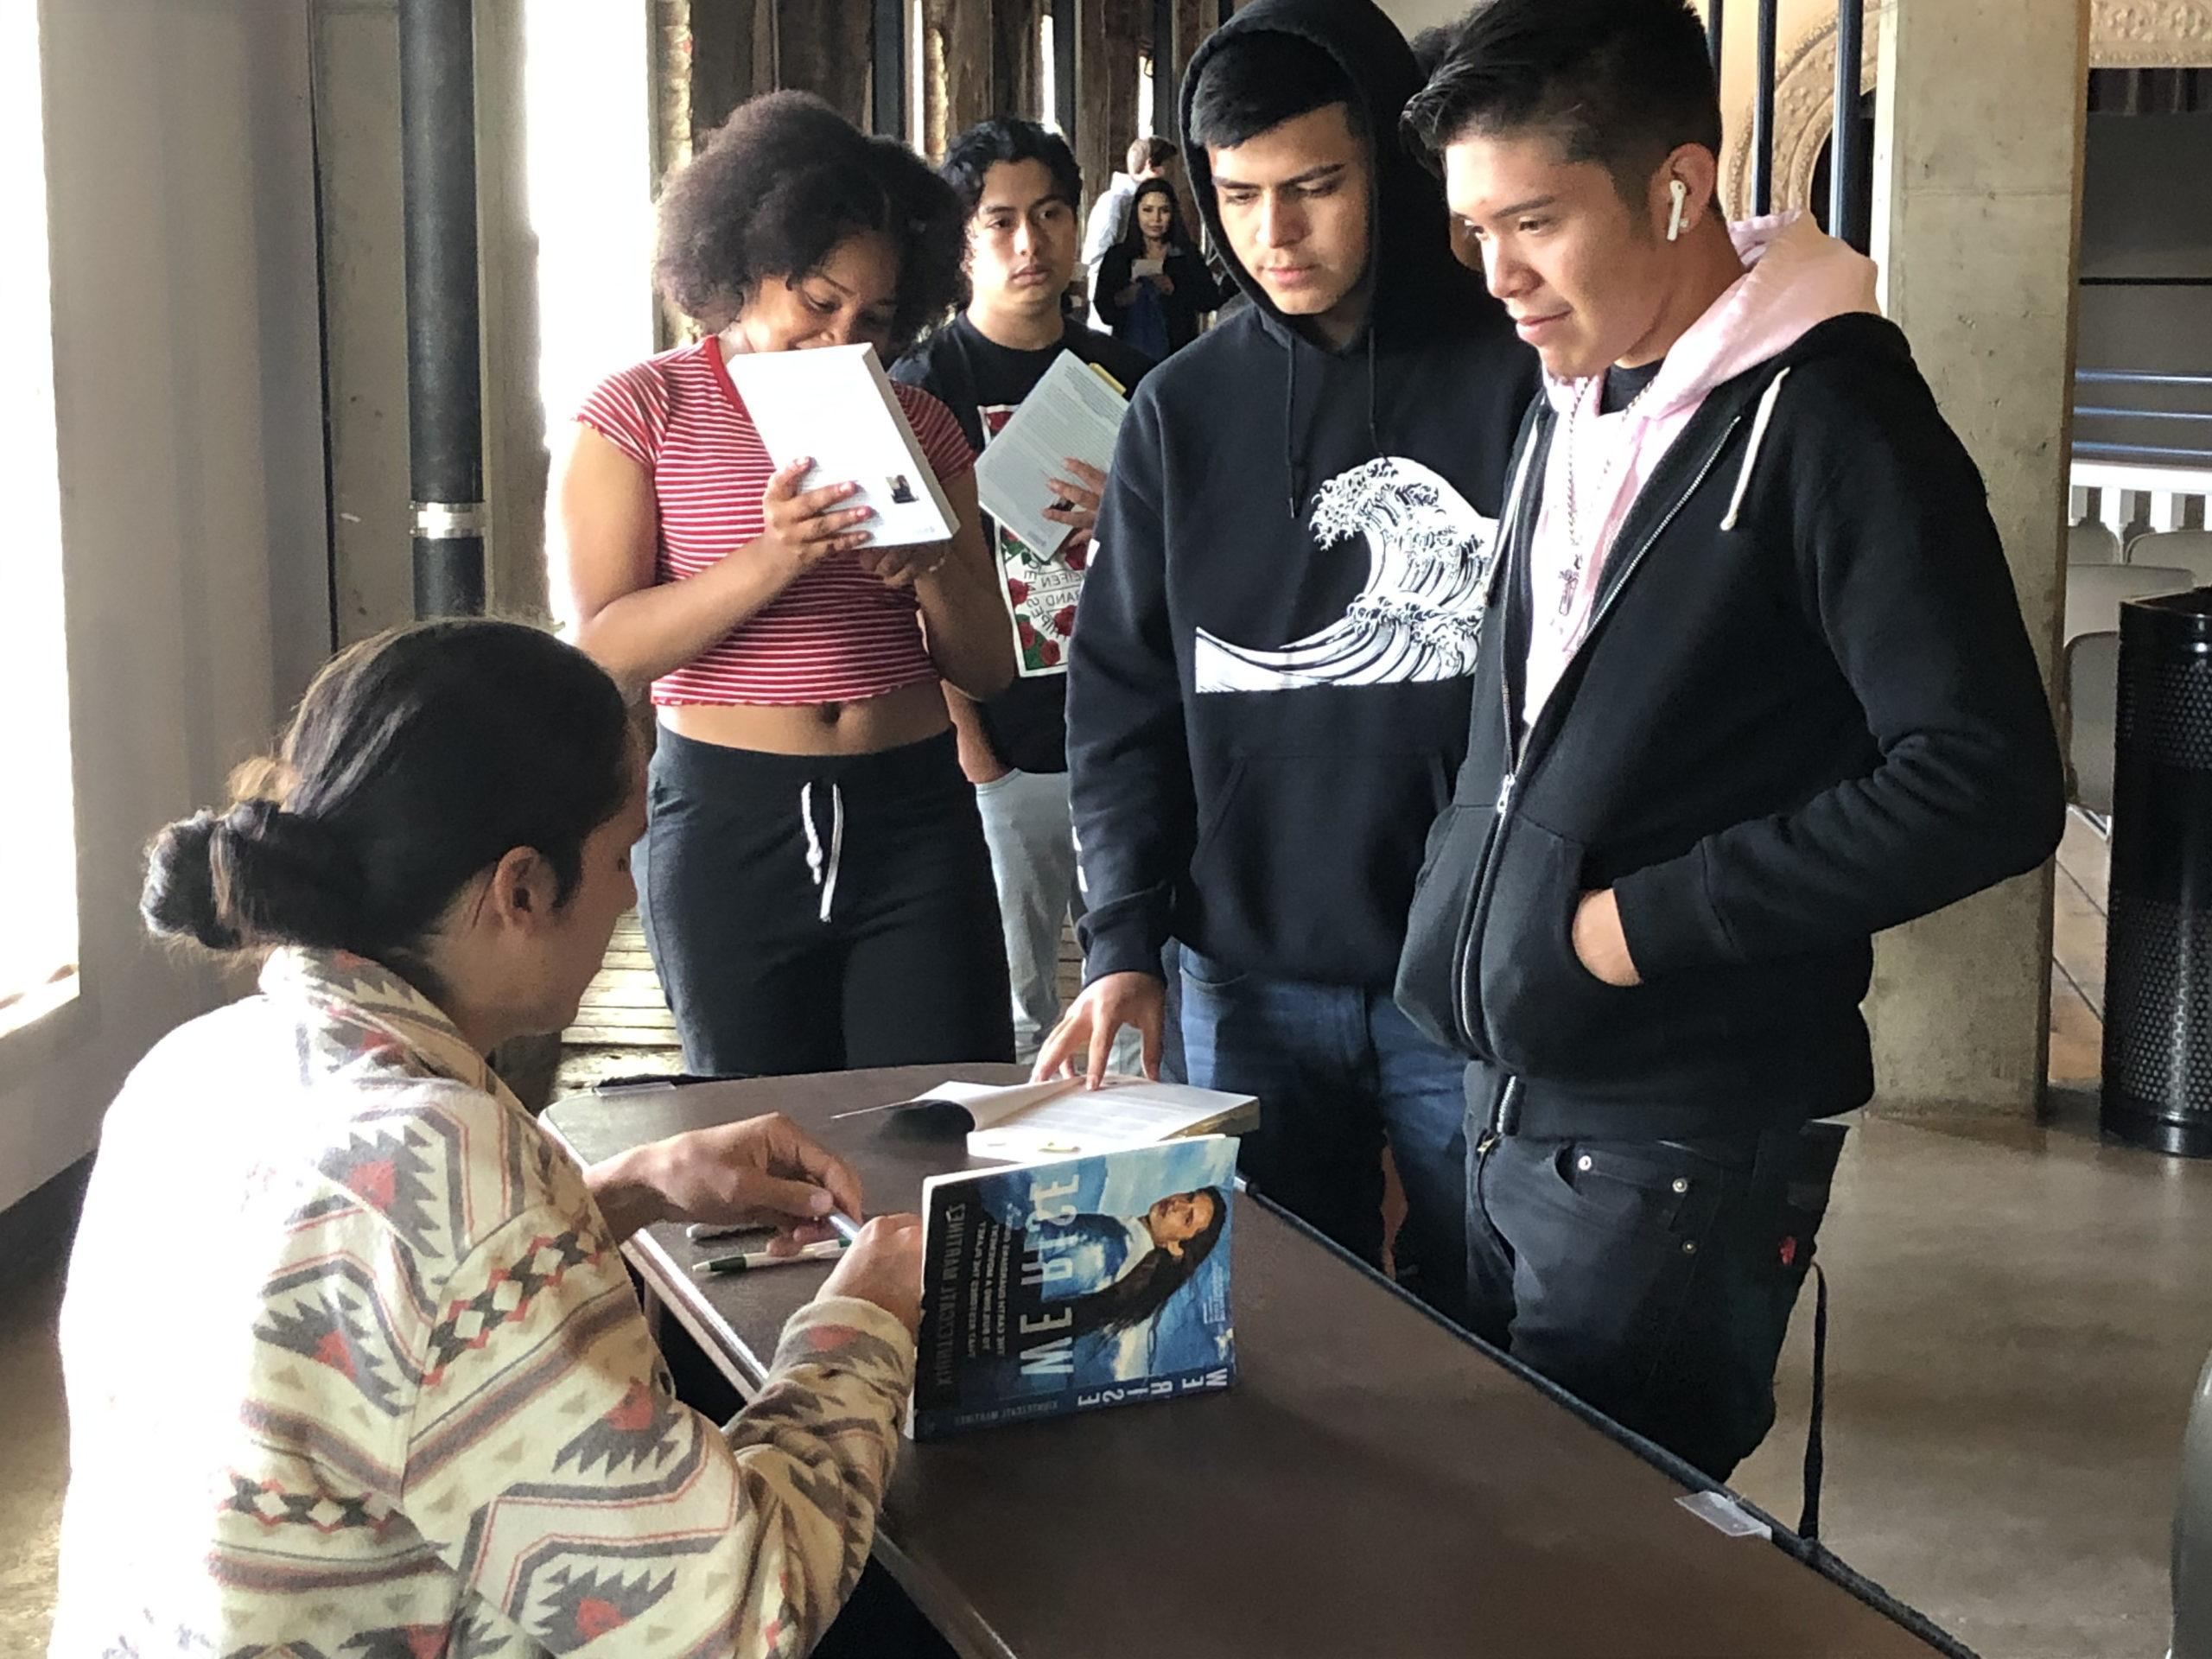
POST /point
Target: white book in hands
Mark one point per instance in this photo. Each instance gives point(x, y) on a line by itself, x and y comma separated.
point(836, 404)
point(1071, 410)
point(1022, 1122)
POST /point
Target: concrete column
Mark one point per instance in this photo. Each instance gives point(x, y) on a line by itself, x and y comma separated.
point(1978, 170)
point(356, 68)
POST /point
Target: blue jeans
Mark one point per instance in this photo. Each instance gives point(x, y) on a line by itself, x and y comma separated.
point(1338, 1070)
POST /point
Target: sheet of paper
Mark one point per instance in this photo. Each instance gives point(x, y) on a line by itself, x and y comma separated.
point(1147, 268)
point(1070, 411)
point(1085, 1122)
point(1127, 1112)
point(836, 404)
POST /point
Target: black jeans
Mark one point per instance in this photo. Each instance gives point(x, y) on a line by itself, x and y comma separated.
point(821, 912)
point(1652, 1280)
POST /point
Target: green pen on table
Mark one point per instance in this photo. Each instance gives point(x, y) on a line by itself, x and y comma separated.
point(747, 1261)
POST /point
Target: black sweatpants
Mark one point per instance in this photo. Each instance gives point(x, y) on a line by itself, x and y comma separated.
point(822, 912)
point(1652, 1280)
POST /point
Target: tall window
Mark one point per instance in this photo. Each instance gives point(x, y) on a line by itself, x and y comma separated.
point(1047, 72)
point(917, 79)
point(1144, 94)
point(588, 97)
point(38, 833)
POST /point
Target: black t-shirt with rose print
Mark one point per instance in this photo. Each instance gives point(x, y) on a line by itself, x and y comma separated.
point(983, 383)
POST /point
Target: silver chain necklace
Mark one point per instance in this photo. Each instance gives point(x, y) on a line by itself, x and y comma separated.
point(1578, 552)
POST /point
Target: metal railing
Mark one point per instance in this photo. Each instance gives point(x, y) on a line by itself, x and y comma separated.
point(1847, 214)
point(2136, 487)
point(2162, 454)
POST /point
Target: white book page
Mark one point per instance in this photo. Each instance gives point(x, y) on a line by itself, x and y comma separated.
point(1126, 1112)
point(1071, 410)
point(836, 404)
point(989, 1103)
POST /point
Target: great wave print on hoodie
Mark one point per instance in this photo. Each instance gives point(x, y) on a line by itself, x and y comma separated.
point(1267, 688)
point(1419, 616)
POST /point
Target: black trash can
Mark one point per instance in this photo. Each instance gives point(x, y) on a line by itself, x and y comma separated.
point(2157, 1058)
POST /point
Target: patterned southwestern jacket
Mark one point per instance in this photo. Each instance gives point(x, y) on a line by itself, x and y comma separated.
point(355, 1372)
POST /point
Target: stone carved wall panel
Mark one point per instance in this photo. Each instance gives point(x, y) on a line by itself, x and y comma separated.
point(2123, 35)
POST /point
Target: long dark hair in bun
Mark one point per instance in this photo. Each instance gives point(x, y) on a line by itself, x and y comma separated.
point(416, 760)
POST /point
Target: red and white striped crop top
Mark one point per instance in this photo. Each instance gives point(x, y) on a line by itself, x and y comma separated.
point(836, 634)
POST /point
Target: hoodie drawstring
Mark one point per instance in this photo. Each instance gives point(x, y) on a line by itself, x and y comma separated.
point(1374, 437)
point(824, 871)
point(1294, 496)
point(1751, 449)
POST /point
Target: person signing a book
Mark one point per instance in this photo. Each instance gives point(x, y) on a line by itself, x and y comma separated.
point(1018, 184)
point(392, 1391)
point(815, 886)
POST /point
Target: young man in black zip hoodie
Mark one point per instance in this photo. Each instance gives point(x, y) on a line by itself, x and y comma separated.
point(1754, 687)
point(1268, 692)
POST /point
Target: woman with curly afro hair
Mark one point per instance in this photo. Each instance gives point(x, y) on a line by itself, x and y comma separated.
point(813, 880)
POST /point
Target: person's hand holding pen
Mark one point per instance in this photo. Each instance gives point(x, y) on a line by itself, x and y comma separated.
point(1075, 504)
point(766, 1172)
point(763, 1171)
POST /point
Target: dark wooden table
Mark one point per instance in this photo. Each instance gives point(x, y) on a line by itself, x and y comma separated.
point(1376, 1484)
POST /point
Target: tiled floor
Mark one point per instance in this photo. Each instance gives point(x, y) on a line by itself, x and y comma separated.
point(2019, 1314)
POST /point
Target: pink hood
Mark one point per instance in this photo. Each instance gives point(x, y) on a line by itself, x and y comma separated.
point(1795, 277)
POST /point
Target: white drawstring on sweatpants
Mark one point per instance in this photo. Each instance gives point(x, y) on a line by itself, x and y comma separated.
point(823, 871)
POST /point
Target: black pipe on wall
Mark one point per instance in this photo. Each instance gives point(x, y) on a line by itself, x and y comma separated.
point(887, 100)
point(1763, 113)
point(1164, 89)
point(1847, 212)
point(445, 401)
point(1066, 28)
point(1713, 12)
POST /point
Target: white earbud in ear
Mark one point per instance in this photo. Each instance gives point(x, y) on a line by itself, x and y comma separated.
point(1680, 193)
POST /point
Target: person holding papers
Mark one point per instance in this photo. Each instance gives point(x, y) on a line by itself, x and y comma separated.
point(815, 886)
point(1153, 286)
point(1268, 694)
point(1148, 158)
point(1019, 183)
point(354, 1363)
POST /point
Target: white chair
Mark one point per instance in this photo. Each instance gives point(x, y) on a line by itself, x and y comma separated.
point(2190, 549)
point(2094, 592)
point(2090, 718)
point(2091, 543)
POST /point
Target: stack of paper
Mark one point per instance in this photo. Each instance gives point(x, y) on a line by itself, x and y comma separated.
point(1063, 1118)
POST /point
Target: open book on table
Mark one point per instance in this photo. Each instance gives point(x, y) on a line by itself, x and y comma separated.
point(1074, 1284)
point(1062, 1118)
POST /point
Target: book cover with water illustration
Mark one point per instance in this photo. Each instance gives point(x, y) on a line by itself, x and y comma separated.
point(1075, 1284)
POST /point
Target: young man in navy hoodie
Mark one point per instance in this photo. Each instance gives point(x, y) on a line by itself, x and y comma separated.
point(1754, 686)
point(1267, 691)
